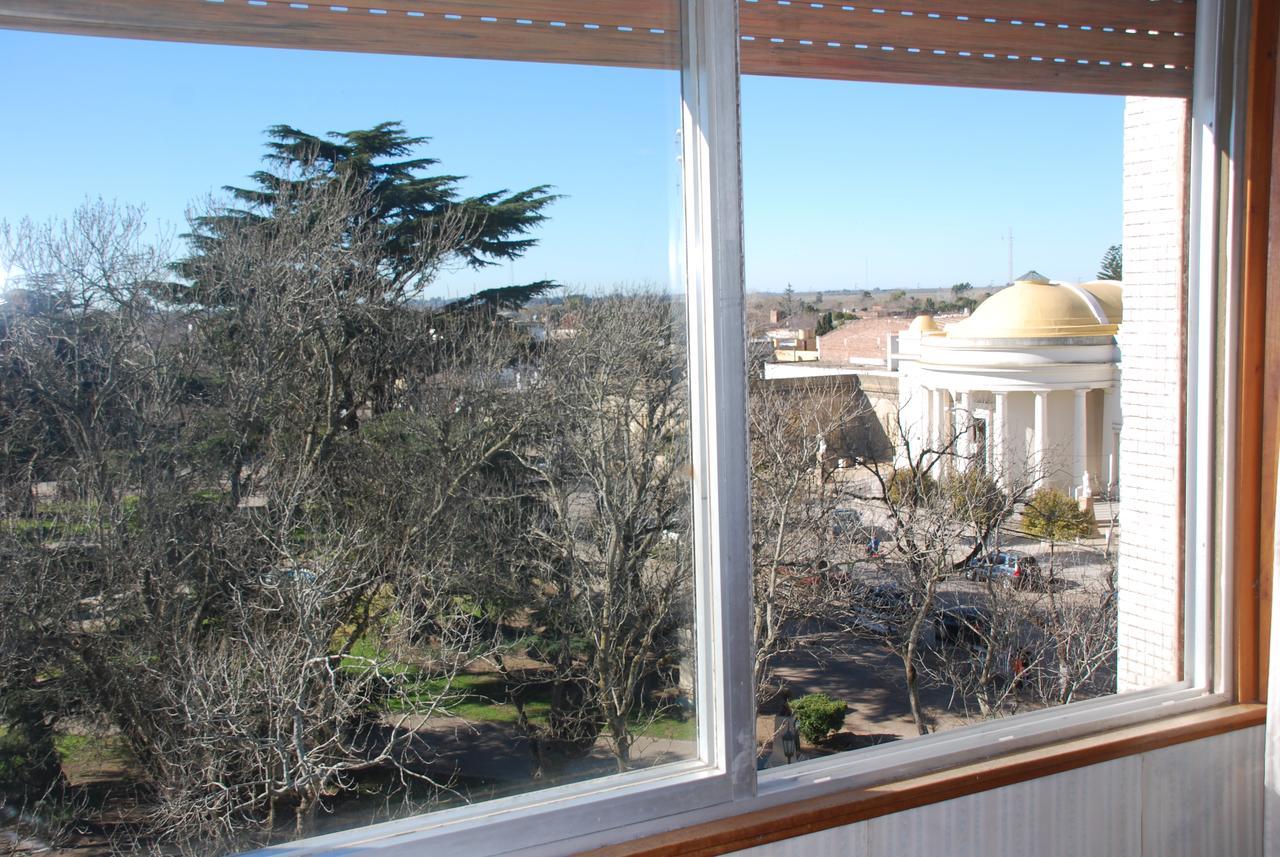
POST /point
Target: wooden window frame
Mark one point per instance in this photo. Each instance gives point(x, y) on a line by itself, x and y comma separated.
point(717, 801)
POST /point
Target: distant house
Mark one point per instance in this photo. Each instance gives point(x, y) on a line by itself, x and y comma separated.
point(565, 327)
point(792, 340)
point(860, 342)
point(792, 344)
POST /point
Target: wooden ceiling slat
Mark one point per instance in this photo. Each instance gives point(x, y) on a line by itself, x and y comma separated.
point(1165, 16)
point(279, 25)
point(650, 14)
point(862, 26)
point(591, 35)
point(875, 66)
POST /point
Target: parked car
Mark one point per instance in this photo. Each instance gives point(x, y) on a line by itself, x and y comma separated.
point(834, 578)
point(961, 626)
point(1009, 568)
point(803, 575)
point(845, 522)
point(838, 577)
point(877, 609)
point(283, 575)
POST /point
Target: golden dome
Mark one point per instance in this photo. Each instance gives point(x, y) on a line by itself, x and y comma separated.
point(1035, 308)
point(923, 325)
point(1108, 293)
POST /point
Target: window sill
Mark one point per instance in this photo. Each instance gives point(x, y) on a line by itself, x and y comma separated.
point(848, 807)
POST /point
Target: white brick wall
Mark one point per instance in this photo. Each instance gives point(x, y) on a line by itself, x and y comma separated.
point(1155, 135)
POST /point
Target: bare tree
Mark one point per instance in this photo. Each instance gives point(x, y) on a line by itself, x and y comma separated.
point(991, 625)
point(931, 502)
point(797, 433)
point(613, 587)
point(1029, 640)
point(249, 549)
point(1080, 626)
point(1036, 647)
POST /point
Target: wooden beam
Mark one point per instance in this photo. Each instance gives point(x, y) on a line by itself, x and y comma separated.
point(1062, 55)
point(864, 24)
point(1165, 16)
point(901, 66)
point(399, 27)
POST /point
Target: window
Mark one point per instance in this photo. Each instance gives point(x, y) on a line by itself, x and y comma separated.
point(722, 777)
point(956, 574)
point(347, 390)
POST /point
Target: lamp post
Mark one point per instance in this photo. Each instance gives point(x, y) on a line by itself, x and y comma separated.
point(790, 739)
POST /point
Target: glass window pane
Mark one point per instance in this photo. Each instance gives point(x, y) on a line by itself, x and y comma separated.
point(344, 414)
point(964, 307)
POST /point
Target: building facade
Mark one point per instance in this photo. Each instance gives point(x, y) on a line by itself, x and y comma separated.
point(1025, 388)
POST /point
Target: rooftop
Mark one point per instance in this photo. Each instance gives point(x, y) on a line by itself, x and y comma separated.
point(863, 339)
point(1035, 307)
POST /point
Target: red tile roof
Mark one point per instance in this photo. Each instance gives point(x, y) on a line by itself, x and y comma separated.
point(865, 339)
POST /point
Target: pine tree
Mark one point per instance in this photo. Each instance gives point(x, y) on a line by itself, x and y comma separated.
point(409, 208)
point(1112, 265)
point(788, 303)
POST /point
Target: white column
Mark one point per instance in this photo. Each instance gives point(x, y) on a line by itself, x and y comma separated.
point(1039, 467)
point(964, 424)
point(948, 439)
point(997, 431)
point(922, 429)
point(935, 421)
point(1109, 458)
point(1080, 444)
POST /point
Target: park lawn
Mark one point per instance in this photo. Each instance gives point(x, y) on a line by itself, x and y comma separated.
point(668, 728)
point(40, 528)
point(491, 711)
point(482, 697)
point(92, 757)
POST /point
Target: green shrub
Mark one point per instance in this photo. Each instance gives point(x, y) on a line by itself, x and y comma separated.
point(908, 488)
point(29, 763)
point(975, 498)
point(817, 715)
point(1051, 514)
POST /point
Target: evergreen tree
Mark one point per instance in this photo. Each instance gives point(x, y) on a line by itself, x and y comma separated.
point(414, 214)
point(353, 227)
point(825, 325)
point(1053, 514)
point(788, 303)
point(1112, 265)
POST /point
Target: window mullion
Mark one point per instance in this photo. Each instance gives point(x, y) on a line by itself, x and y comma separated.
point(717, 381)
point(1211, 252)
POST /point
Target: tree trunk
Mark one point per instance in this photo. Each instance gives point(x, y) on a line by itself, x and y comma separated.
point(621, 744)
point(913, 690)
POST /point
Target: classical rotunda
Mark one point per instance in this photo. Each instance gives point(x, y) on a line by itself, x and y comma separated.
point(1026, 387)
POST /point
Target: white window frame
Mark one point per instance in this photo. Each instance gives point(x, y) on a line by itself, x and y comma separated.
point(723, 780)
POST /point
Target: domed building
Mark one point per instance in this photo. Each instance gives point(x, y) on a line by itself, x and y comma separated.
point(1025, 387)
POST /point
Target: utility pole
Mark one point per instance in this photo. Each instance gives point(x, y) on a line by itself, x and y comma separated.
point(1010, 280)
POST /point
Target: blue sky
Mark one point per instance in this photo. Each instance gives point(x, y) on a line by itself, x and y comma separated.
point(911, 185)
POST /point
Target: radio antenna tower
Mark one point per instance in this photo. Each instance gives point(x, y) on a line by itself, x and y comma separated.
point(1010, 280)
